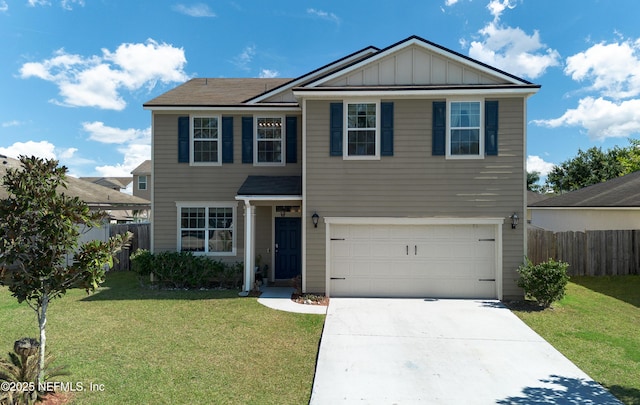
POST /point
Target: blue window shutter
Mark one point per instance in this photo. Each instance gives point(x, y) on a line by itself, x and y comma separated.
point(386, 135)
point(491, 127)
point(247, 139)
point(227, 139)
point(183, 139)
point(336, 126)
point(439, 133)
point(292, 139)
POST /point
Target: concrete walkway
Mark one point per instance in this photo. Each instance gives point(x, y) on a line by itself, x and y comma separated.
point(415, 351)
point(280, 298)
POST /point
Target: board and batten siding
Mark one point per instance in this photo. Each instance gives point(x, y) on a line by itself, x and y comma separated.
point(175, 181)
point(413, 183)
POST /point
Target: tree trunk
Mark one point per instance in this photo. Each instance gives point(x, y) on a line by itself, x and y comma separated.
point(42, 322)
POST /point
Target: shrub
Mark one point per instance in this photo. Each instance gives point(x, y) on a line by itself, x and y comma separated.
point(185, 270)
point(21, 371)
point(545, 282)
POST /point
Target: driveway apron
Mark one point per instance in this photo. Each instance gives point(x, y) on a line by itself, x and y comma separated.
point(427, 351)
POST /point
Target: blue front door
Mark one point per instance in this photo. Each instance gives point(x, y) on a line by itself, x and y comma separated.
point(288, 247)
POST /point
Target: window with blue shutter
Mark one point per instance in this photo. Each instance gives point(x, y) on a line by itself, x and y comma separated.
point(183, 139)
point(439, 129)
point(292, 139)
point(386, 124)
point(247, 139)
point(336, 129)
point(491, 128)
point(227, 139)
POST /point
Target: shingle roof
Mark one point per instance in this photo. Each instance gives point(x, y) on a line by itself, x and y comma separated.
point(143, 168)
point(111, 182)
point(96, 196)
point(271, 185)
point(215, 92)
point(619, 192)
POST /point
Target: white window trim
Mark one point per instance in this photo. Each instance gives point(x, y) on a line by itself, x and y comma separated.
point(345, 135)
point(192, 141)
point(142, 176)
point(481, 152)
point(283, 141)
point(208, 204)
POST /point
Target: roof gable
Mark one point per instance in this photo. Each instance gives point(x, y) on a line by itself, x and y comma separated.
point(418, 62)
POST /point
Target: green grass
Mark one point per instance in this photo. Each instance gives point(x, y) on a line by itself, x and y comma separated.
point(173, 347)
point(597, 326)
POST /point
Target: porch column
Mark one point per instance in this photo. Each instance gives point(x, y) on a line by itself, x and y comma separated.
point(249, 245)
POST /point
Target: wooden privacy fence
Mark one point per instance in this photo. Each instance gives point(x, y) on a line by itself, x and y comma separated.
point(141, 240)
point(590, 253)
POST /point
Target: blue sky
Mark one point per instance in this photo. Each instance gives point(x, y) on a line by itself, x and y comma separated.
point(75, 73)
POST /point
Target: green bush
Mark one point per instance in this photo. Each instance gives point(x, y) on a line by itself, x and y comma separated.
point(185, 270)
point(545, 282)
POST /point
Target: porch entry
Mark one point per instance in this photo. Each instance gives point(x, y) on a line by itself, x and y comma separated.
point(288, 250)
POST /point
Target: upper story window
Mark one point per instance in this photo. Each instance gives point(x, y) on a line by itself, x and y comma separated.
point(464, 134)
point(362, 135)
point(205, 138)
point(269, 141)
point(142, 182)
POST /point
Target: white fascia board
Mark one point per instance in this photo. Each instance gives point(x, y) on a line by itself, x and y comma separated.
point(416, 41)
point(249, 198)
point(311, 75)
point(585, 208)
point(239, 109)
point(413, 221)
point(404, 93)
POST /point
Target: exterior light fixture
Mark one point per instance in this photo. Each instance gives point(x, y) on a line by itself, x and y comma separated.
point(315, 217)
point(514, 220)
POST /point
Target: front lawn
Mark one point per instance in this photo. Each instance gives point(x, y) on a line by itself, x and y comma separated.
point(172, 347)
point(597, 326)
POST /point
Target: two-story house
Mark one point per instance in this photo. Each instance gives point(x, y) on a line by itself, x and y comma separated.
point(389, 172)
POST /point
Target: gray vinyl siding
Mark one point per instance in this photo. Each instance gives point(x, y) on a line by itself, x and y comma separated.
point(175, 181)
point(413, 183)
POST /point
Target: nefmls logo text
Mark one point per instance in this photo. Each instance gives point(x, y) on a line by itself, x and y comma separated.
point(68, 386)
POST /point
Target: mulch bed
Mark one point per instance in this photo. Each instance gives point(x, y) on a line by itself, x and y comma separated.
point(310, 299)
point(524, 306)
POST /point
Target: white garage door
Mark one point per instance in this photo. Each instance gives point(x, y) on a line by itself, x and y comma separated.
point(440, 261)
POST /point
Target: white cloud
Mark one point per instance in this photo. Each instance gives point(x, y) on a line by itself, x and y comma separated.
point(42, 149)
point(97, 81)
point(105, 134)
point(134, 154)
point(324, 15)
point(196, 10)
point(34, 3)
point(245, 57)
point(3, 6)
point(614, 69)
point(13, 123)
point(268, 73)
point(449, 3)
point(497, 7)
point(65, 4)
point(601, 118)
point(537, 164)
point(135, 146)
point(512, 50)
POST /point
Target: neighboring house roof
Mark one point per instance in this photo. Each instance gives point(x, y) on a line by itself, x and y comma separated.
point(271, 185)
point(96, 196)
point(111, 182)
point(143, 169)
point(533, 198)
point(619, 192)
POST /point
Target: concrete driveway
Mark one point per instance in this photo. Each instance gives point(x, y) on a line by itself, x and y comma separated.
point(407, 351)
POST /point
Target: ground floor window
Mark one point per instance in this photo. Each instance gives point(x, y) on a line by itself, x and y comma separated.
point(207, 228)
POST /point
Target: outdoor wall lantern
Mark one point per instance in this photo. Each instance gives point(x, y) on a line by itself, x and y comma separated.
point(514, 220)
point(315, 217)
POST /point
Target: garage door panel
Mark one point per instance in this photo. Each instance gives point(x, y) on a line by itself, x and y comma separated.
point(413, 261)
